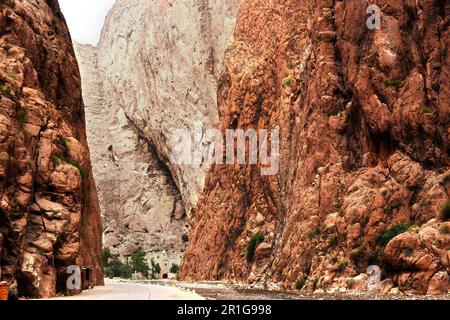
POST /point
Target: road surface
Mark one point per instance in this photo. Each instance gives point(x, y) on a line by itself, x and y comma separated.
point(117, 290)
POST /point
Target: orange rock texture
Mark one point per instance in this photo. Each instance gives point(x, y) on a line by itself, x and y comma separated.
point(49, 213)
point(365, 140)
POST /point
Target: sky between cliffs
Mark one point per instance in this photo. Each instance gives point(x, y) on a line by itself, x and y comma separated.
point(85, 18)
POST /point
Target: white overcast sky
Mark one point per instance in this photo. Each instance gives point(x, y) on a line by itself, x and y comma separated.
point(85, 18)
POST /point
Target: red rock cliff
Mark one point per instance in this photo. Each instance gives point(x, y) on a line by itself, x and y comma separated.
point(49, 214)
point(364, 118)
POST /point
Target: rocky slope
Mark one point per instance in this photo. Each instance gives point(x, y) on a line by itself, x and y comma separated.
point(152, 73)
point(364, 118)
point(49, 214)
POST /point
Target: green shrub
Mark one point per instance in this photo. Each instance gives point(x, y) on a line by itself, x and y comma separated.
point(333, 239)
point(427, 110)
point(315, 283)
point(106, 255)
point(392, 83)
point(343, 263)
point(117, 268)
point(56, 161)
point(300, 283)
point(65, 144)
point(314, 233)
point(139, 263)
point(445, 229)
point(174, 268)
point(392, 233)
point(254, 242)
point(185, 238)
point(5, 90)
point(445, 211)
point(288, 80)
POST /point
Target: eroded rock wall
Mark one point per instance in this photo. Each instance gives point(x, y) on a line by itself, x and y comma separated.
point(49, 213)
point(155, 70)
point(162, 64)
point(364, 118)
point(140, 203)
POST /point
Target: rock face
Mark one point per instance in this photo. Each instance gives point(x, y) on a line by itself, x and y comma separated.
point(141, 206)
point(365, 142)
point(49, 213)
point(154, 72)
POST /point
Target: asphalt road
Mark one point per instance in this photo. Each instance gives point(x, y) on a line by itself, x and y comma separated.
point(117, 290)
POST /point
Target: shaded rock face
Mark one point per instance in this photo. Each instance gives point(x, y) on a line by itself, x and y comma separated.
point(49, 213)
point(364, 120)
point(153, 72)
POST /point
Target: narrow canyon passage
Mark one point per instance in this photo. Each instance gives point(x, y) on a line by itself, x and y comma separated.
point(362, 187)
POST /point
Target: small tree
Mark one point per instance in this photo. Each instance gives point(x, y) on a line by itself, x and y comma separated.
point(254, 242)
point(106, 255)
point(155, 268)
point(174, 268)
point(117, 268)
point(139, 264)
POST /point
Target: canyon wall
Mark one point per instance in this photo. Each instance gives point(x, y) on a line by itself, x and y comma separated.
point(364, 119)
point(154, 71)
point(49, 213)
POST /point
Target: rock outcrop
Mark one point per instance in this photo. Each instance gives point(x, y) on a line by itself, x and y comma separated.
point(152, 73)
point(365, 141)
point(140, 204)
point(49, 213)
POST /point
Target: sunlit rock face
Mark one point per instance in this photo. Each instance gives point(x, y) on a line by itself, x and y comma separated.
point(49, 213)
point(155, 70)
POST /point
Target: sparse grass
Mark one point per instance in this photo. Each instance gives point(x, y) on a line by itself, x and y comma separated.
point(315, 283)
point(351, 283)
point(427, 110)
point(335, 111)
point(333, 239)
point(253, 243)
point(5, 90)
point(343, 263)
point(300, 283)
point(392, 233)
point(314, 233)
point(444, 229)
point(356, 253)
point(65, 144)
point(445, 211)
point(12, 75)
point(56, 160)
point(83, 171)
point(288, 80)
point(392, 83)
